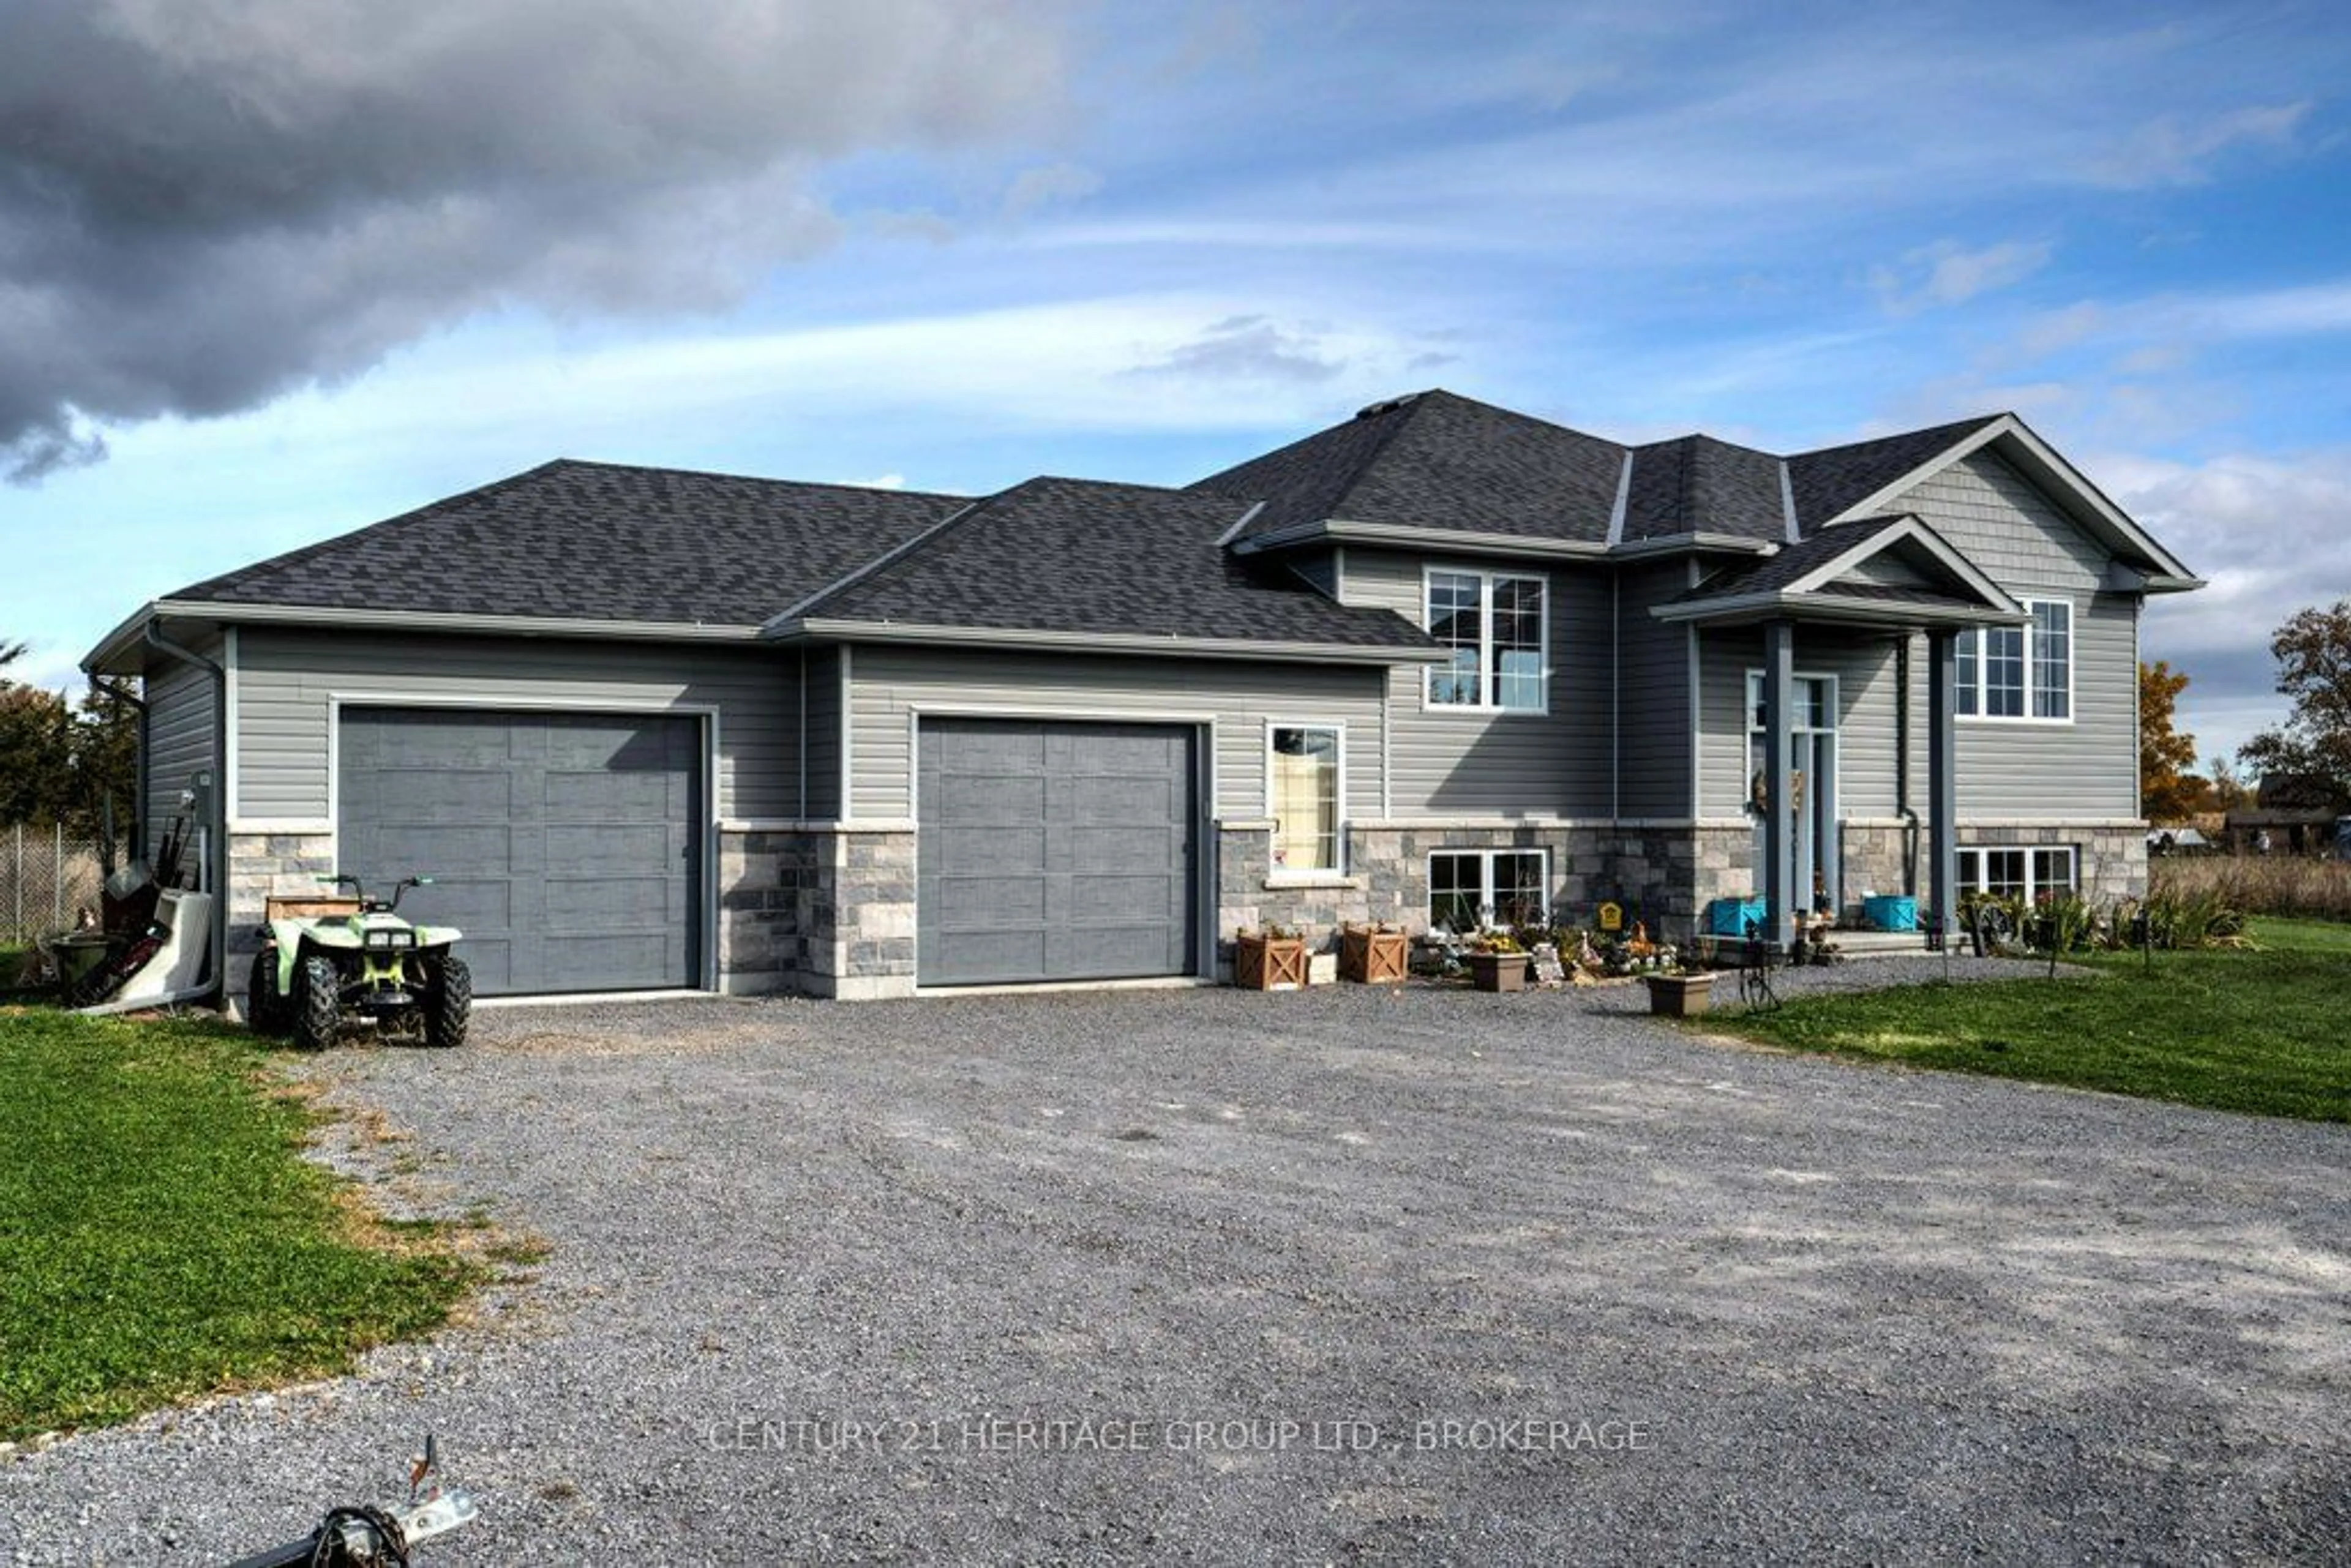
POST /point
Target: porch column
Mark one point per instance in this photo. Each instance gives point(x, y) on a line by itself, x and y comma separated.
point(1942, 784)
point(1779, 895)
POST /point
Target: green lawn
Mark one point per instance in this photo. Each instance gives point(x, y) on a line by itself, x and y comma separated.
point(2265, 1029)
point(160, 1235)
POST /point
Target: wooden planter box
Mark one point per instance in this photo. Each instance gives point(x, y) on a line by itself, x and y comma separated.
point(1270, 964)
point(1372, 957)
point(1499, 971)
point(1680, 995)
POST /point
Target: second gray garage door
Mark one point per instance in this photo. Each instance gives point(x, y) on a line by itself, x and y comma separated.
point(1055, 852)
point(564, 845)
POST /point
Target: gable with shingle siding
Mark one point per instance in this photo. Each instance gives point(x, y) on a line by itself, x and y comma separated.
point(2022, 540)
point(2006, 526)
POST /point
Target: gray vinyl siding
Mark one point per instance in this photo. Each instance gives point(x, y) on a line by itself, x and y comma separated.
point(1320, 568)
point(1449, 762)
point(1888, 569)
point(285, 681)
point(823, 731)
point(1864, 668)
point(2088, 769)
point(888, 687)
point(1724, 659)
point(1653, 718)
point(1868, 699)
point(183, 736)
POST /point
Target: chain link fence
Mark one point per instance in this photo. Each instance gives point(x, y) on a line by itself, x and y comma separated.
point(45, 880)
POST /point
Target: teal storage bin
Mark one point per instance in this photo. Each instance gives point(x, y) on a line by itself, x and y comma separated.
point(1891, 913)
point(1729, 917)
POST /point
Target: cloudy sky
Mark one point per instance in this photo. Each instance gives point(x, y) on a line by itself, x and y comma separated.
point(272, 269)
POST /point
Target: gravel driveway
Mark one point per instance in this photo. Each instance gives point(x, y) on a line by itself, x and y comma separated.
point(1340, 1276)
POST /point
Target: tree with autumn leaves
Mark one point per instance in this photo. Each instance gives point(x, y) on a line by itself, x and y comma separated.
point(2168, 788)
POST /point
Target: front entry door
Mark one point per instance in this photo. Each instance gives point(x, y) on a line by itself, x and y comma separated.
point(1813, 813)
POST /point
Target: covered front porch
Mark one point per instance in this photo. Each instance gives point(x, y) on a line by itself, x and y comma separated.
point(1841, 656)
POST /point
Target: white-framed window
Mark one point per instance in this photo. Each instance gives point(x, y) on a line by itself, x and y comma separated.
point(1469, 889)
point(2018, 871)
point(1303, 792)
point(2019, 672)
point(1497, 626)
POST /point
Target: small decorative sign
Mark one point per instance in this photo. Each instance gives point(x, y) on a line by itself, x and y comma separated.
point(1612, 918)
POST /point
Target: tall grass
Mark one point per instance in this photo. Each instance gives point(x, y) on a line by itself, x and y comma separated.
point(2257, 884)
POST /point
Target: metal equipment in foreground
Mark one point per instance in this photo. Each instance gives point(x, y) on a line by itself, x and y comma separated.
point(370, 1537)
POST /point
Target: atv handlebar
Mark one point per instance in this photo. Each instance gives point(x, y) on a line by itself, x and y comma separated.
point(403, 884)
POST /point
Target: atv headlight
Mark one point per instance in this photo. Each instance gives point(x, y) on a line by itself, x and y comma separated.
point(379, 940)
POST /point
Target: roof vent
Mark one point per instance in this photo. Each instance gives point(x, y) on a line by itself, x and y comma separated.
point(1374, 410)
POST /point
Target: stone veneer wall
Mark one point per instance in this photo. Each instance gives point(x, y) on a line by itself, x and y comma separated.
point(858, 905)
point(2110, 862)
point(762, 879)
point(781, 902)
point(830, 909)
point(262, 866)
point(1661, 875)
point(1877, 860)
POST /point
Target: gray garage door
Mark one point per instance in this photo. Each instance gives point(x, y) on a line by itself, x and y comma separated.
point(1054, 851)
point(563, 845)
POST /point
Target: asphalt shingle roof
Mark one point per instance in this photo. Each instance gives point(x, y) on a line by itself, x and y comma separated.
point(1081, 556)
point(1792, 562)
point(1826, 482)
point(595, 541)
point(591, 541)
point(1437, 460)
point(1697, 484)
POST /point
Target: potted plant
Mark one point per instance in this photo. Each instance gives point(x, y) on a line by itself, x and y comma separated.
point(1497, 963)
point(1679, 993)
point(1271, 959)
point(1372, 954)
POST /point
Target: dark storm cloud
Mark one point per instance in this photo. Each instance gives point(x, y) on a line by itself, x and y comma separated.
point(206, 202)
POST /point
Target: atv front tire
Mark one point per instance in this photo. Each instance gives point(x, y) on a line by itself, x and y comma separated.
point(266, 1007)
point(449, 1004)
point(318, 1004)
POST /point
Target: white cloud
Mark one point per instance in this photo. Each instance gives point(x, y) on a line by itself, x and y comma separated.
point(2266, 313)
point(1945, 273)
point(1250, 348)
point(2178, 151)
point(2266, 534)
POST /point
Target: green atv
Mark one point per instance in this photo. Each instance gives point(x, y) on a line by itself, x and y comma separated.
point(314, 973)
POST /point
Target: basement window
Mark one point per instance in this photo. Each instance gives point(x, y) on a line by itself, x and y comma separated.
point(1472, 889)
point(2027, 872)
